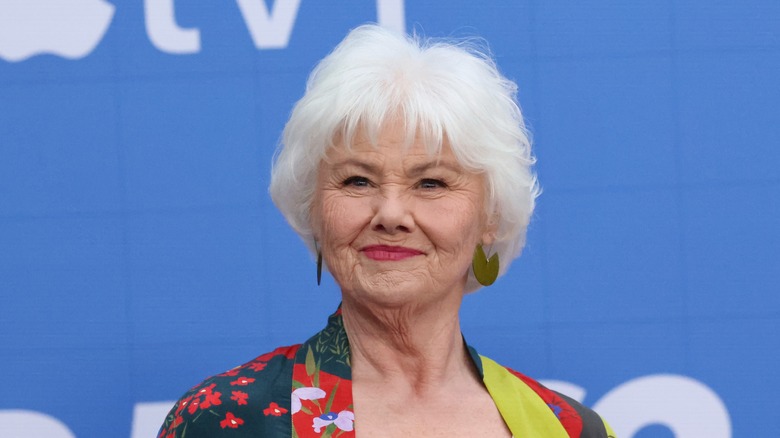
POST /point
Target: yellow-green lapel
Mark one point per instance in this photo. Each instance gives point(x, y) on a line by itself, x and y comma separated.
point(526, 414)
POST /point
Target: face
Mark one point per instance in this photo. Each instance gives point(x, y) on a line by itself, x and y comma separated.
point(396, 225)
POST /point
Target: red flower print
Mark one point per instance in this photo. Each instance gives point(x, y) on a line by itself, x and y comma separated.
point(240, 397)
point(328, 384)
point(206, 389)
point(275, 410)
point(183, 404)
point(231, 373)
point(177, 421)
point(210, 399)
point(257, 366)
point(193, 407)
point(242, 381)
point(231, 421)
point(204, 398)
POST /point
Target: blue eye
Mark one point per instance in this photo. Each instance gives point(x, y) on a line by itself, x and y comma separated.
point(356, 181)
point(430, 183)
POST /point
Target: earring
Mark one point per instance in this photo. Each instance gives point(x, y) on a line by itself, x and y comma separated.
point(485, 270)
point(319, 263)
point(319, 267)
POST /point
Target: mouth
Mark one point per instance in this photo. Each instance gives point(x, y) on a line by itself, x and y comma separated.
point(389, 253)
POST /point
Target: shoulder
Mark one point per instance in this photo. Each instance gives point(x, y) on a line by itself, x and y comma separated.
point(251, 398)
point(578, 419)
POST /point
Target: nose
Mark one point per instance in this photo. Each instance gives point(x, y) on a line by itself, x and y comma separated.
point(392, 214)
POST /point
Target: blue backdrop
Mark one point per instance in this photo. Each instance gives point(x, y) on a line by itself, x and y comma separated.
point(140, 252)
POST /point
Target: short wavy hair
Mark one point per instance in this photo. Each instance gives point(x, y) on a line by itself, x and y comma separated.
point(441, 90)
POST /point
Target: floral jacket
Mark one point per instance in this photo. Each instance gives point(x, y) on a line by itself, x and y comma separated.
point(305, 391)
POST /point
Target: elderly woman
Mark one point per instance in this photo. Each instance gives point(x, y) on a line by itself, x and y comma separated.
point(407, 170)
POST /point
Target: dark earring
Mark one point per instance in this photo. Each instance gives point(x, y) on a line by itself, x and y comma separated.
point(319, 263)
point(319, 267)
point(485, 270)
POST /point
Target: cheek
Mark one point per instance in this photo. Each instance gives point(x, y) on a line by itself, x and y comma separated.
point(453, 227)
point(454, 234)
point(342, 219)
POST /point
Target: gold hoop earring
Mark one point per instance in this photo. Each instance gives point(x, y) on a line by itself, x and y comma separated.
point(485, 270)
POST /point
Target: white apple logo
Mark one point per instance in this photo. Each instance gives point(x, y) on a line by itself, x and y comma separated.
point(70, 29)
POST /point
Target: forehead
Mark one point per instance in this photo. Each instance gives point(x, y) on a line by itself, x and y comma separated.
point(392, 140)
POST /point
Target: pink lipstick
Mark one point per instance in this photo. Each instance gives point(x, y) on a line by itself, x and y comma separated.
point(386, 253)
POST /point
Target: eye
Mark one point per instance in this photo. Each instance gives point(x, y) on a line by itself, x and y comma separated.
point(356, 181)
point(431, 183)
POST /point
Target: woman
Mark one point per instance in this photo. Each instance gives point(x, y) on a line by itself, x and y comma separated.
point(403, 165)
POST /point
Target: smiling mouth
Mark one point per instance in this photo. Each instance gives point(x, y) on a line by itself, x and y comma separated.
point(389, 253)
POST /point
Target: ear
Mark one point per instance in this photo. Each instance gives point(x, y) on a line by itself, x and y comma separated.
point(491, 229)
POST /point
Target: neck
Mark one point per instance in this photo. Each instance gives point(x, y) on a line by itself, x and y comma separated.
point(415, 345)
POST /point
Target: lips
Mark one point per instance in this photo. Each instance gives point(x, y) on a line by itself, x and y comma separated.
point(389, 253)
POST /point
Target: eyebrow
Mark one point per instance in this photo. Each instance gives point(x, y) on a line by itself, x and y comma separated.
point(357, 163)
point(422, 168)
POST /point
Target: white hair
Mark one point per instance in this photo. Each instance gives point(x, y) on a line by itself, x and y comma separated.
point(440, 90)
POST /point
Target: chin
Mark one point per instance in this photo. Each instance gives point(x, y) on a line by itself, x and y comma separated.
point(395, 292)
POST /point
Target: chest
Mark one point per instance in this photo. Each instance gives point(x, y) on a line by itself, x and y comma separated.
point(448, 416)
